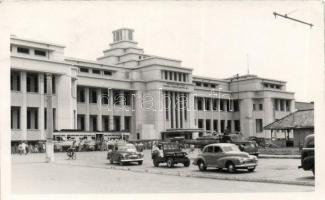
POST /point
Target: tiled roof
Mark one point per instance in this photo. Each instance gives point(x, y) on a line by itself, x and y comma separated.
point(304, 105)
point(297, 120)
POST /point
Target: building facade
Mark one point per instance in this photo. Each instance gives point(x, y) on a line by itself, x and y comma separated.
point(130, 93)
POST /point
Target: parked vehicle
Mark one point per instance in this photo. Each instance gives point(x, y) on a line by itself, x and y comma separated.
point(249, 147)
point(124, 153)
point(225, 155)
point(308, 154)
point(170, 153)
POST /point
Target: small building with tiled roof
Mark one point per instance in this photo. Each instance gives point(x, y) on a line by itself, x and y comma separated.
point(301, 122)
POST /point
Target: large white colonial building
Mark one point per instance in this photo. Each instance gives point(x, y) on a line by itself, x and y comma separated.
point(129, 93)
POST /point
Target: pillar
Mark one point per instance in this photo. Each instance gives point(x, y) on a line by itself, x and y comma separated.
point(87, 108)
point(99, 106)
point(122, 121)
point(23, 113)
point(42, 106)
point(49, 119)
point(111, 104)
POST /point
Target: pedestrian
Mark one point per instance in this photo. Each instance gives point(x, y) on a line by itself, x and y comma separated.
point(20, 149)
point(30, 148)
point(24, 147)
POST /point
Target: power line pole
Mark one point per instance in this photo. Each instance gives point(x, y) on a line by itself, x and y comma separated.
point(49, 120)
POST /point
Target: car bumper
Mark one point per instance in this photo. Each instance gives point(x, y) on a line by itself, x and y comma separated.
point(132, 160)
point(246, 165)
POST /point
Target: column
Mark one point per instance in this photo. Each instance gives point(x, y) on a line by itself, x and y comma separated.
point(219, 115)
point(87, 108)
point(212, 117)
point(49, 119)
point(122, 123)
point(41, 109)
point(111, 116)
point(178, 110)
point(173, 110)
point(99, 106)
point(23, 112)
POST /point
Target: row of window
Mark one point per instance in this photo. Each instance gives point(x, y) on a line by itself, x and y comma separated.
point(25, 50)
point(273, 86)
point(205, 84)
point(257, 107)
point(225, 125)
point(225, 104)
point(174, 76)
point(281, 104)
point(32, 82)
point(102, 94)
point(95, 71)
point(93, 125)
point(32, 117)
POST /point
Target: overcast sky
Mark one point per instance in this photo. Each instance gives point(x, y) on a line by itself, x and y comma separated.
point(213, 38)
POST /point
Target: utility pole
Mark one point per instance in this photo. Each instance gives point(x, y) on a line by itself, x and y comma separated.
point(293, 19)
point(49, 120)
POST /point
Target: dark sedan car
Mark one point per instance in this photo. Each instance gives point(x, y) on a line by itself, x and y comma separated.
point(308, 154)
point(124, 153)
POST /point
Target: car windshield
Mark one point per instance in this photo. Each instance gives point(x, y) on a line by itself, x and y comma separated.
point(128, 147)
point(170, 147)
point(230, 148)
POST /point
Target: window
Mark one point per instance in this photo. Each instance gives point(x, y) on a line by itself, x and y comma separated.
point(236, 105)
point(197, 83)
point(260, 106)
point(15, 117)
point(32, 82)
point(213, 85)
point(93, 123)
point(287, 105)
point(254, 107)
point(209, 149)
point(222, 124)
point(32, 118)
point(205, 85)
point(237, 125)
point(179, 76)
point(107, 73)
point(166, 75)
point(117, 121)
point(184, 77)
point(53, 84)
point(207, 104)
point(175, 76)
point(217, 150)
point(40, 53)
point(221, 104)
point(214, 104)
point(127, 98)
point(277, 86)
point(199, 103)
point(96, 71)
point(92, 95)
point(215, 125)
point(15, 81)
point(281, 105)
point(81, 122)
point(200, 123)
point(105, 123)
point(85, 70)
point(207, 124)
point(23, 50)
point(117, 97)
point(104, 96)
point(80, 94)
point(127, 123)
point(259, 125)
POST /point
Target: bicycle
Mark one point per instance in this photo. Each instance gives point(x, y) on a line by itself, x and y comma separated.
point(71, 153)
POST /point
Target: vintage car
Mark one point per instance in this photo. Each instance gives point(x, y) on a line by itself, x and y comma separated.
point(249, 147)
point(225, 155)
point(308, 154)
point(170, 153)
point(124, 153)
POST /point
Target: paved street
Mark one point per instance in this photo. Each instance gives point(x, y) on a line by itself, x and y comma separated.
point(47, 178)
point(90, 168)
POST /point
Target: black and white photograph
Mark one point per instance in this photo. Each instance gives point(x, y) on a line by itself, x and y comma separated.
point(168, 99)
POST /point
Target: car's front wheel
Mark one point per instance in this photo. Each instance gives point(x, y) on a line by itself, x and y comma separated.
point(187, 163)
point(231, 167)
point(201, 165)
point(170, 163)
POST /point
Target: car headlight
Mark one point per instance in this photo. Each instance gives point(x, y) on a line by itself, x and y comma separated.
point(241, 160)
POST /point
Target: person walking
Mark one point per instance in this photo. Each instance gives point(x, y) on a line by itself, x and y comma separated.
point(20, 149)
point(24, 147)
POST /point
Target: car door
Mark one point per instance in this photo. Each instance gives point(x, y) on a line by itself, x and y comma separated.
point(217, 154)
point(208, 155)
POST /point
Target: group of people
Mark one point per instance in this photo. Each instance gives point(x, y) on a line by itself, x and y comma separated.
point(23, 148)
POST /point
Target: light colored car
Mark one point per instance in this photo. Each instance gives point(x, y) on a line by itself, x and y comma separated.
point(225, 155)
